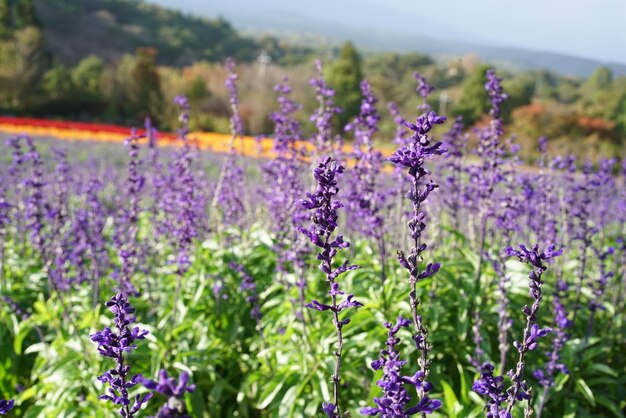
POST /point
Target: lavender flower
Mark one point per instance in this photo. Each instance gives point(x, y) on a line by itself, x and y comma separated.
point(186, 222)
point(423, 90)
point(532, 332)
point(6, 406)
point(236, 125)
point(413, 156)
point(456, 143)
point(113, 344)
point(394, 403)
point(172, 389)
point(34, 213)
point(492, 387)
point(5, 219)
point(598, 288)
point(582, 228)
point(127, 225)
point(485, 177)
point(285, 185)
point(547, 375)
point(231, 183)
point(248, 286)
point(324, 219)
point(323, 115)
point(365, 199)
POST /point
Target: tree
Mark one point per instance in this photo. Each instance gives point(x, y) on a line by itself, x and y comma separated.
point(474, 102)
point(521, 90)
point(57, 83)
point(345, 77)
point(146, 93)
point(600, 79)
point(86, 76)
point(23, 61)
point(25, 14)
point(5, 19)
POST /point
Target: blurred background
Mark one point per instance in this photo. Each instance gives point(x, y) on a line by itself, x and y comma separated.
point(117, 61)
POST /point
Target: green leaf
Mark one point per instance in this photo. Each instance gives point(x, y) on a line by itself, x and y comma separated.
point(586, 391)
point(452, 403)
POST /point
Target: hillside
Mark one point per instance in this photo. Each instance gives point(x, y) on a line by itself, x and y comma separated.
point(74, 29)
point(396, 27)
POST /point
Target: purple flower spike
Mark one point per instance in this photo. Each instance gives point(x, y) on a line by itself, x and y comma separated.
point(413, 156)
point(6, 406)
point(324, 222)
point(491, 387)
point(113, 344)
point(395, 399)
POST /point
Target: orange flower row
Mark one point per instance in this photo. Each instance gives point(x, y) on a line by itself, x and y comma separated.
point(80, 131)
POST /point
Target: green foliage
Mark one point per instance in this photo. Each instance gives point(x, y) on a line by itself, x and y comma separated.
point(145, 84)
point(520, 89)
point(345, 75)
point(57, 83)
point(473, 102)
point(127, 25)
point(86, 76)
point(5, 19)
point(284, 368)
point(600, 79)
point(25, 14)
point(23, 62)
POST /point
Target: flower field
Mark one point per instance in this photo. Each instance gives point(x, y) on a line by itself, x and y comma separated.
point(200, 275)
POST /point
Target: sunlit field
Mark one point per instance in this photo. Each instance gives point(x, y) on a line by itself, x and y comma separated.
point(180, 274)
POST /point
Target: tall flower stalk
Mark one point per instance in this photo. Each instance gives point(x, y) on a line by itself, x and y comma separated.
point(127, 222)
point(499, 403)
point(484, 179)
point(231, 183)
point(532, 332)
point(365, 198)
point(113, 344)
point(324, 206)
point(323, 115)
point(546, 376)
point(413, 157)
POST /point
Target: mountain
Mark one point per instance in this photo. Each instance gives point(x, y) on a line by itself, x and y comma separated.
point(74, 29)
point(398, 26)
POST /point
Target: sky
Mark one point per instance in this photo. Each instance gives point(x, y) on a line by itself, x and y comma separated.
point(592, 29)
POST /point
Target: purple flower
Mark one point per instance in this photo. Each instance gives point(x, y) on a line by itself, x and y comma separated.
point(395, 399)
point(248, 286)
point(284, 187)
point(323, 115)
point(127, 221)
point(496, 94)
point(330, 409)
point(424, 90)
point(186, 222)
point(113, 344)
point(174, 390)
point(324, 207)
point(231, 184)
point(6, 406)
point(532, 333)
point(492, 388)
point(365, 198)
point(236, 125)
point(413, 156)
